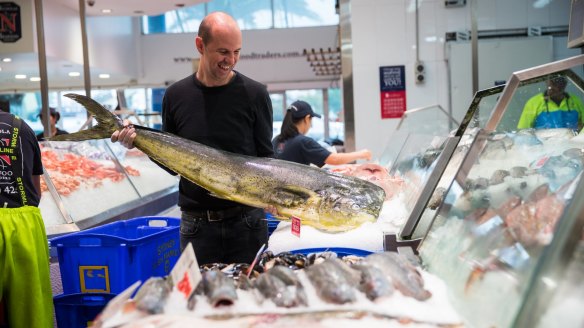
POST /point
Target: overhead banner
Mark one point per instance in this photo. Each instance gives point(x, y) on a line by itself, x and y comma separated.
point(392, 82)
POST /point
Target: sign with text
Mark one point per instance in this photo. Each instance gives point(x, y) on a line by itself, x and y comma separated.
point(10, 26)
point(392, 83)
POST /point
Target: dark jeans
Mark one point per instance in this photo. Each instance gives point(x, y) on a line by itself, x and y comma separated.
point(231, 240)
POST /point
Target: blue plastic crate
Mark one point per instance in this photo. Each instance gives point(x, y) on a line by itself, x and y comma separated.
point(272, 223)
point(110, 258)
point(79, 310)
point(341, 252)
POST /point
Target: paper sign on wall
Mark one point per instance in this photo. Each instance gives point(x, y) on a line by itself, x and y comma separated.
point(392, 83)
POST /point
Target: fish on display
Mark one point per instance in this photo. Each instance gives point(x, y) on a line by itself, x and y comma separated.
point(334, 281)
point(152, 295)
point(219, 289)
point(374, 284)
point(281, 285)
point(327, 201)
point(404, 276)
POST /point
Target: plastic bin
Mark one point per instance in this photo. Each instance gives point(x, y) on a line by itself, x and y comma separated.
point(110, 258)
point(79, 310)
point(341, 252)
point(272, 223)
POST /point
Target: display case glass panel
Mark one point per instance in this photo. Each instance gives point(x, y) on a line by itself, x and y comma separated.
point(425, 198)
point(87, 183)
point(496, 236)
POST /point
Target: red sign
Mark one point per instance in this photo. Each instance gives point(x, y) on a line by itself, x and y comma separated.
point(392, 82)
point(296, 223)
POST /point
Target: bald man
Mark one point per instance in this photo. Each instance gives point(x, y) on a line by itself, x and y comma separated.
point(222, 108)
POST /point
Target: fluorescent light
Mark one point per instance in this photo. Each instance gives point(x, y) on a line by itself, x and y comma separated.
point(7, 60)
point(106, 11)
point(74, 74)
point(35, 79)
point(20, 76)
point(104, 76)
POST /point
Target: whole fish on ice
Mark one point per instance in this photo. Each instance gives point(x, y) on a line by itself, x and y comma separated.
point(326, 201)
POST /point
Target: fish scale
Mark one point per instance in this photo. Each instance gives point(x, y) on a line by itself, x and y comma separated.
point(327, 201)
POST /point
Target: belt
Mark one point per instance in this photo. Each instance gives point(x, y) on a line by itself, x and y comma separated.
point(219, 215)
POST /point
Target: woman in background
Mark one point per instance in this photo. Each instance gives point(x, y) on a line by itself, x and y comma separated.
point(293, 145)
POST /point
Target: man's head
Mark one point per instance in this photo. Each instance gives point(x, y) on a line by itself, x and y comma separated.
point(219, 44)
point(5, 106)
point(55, 116)
point(556, 87)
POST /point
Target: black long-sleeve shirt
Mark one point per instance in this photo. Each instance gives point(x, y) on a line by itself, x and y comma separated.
point(236, 117)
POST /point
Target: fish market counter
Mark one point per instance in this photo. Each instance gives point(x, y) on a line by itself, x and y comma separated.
point(324, 289)
point(93, 182)
point(497, 212)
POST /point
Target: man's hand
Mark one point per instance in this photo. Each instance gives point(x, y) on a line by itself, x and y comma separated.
point(125, 136)
point(272, 210)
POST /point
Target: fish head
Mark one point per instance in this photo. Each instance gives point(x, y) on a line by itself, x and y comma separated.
point(343, 209)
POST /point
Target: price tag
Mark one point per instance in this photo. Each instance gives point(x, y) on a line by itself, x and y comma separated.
point(186, 275)
point(296, 223)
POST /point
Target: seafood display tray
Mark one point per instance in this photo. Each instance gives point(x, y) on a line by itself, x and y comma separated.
point(93, 182)
point(419, 299)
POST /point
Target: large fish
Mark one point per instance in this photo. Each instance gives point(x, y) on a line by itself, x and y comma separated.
point(326, 201)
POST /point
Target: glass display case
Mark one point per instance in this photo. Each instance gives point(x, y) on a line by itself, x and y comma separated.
point(506, 236)
point(433, 143)
point(91, 182)
point(455, 147)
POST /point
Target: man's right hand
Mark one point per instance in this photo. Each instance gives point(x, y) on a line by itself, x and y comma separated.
point(125, 136)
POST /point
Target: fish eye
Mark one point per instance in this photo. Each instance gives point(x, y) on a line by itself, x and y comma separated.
point(355, 207)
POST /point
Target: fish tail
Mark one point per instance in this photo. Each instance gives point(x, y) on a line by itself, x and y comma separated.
point(107, 122)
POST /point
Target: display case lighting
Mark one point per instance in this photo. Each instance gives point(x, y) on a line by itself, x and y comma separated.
point(20, 76)
point(7, 60)
point(104, 76)
point(74, 74)
point(106, 11)
point(35, 79)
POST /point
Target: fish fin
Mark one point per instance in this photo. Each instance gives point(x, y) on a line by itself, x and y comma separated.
point(107, 122)
point(218, 196)
point(297, 191)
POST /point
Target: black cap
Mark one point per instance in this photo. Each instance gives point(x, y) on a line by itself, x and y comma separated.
point(300, 109)
point(53, 112)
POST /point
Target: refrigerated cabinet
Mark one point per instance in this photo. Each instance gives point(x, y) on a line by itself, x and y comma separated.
point(506, 232)
point(93, 182)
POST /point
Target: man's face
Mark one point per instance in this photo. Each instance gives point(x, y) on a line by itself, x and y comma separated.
point(555, 90)
point(219, 55)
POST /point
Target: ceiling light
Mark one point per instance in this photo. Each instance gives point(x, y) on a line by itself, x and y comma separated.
point(74, 74)
point(104, 76)
point(7, 60)
point(106, 11)
point(35, 79)
point(20, 76)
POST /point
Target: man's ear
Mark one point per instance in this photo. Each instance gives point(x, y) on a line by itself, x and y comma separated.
point(199, 44)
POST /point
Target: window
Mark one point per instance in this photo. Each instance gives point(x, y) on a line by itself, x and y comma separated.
point(250, 14)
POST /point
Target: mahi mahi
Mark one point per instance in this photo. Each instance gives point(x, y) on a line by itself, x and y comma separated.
point(327, 201)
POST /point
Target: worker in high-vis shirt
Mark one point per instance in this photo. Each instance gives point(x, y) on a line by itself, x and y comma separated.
point(553, 108)
point(25, 283)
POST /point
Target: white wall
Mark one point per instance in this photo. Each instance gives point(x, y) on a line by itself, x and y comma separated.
point(62, 32)
point(113, 45)
point(383, 33)
point(159, 54)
